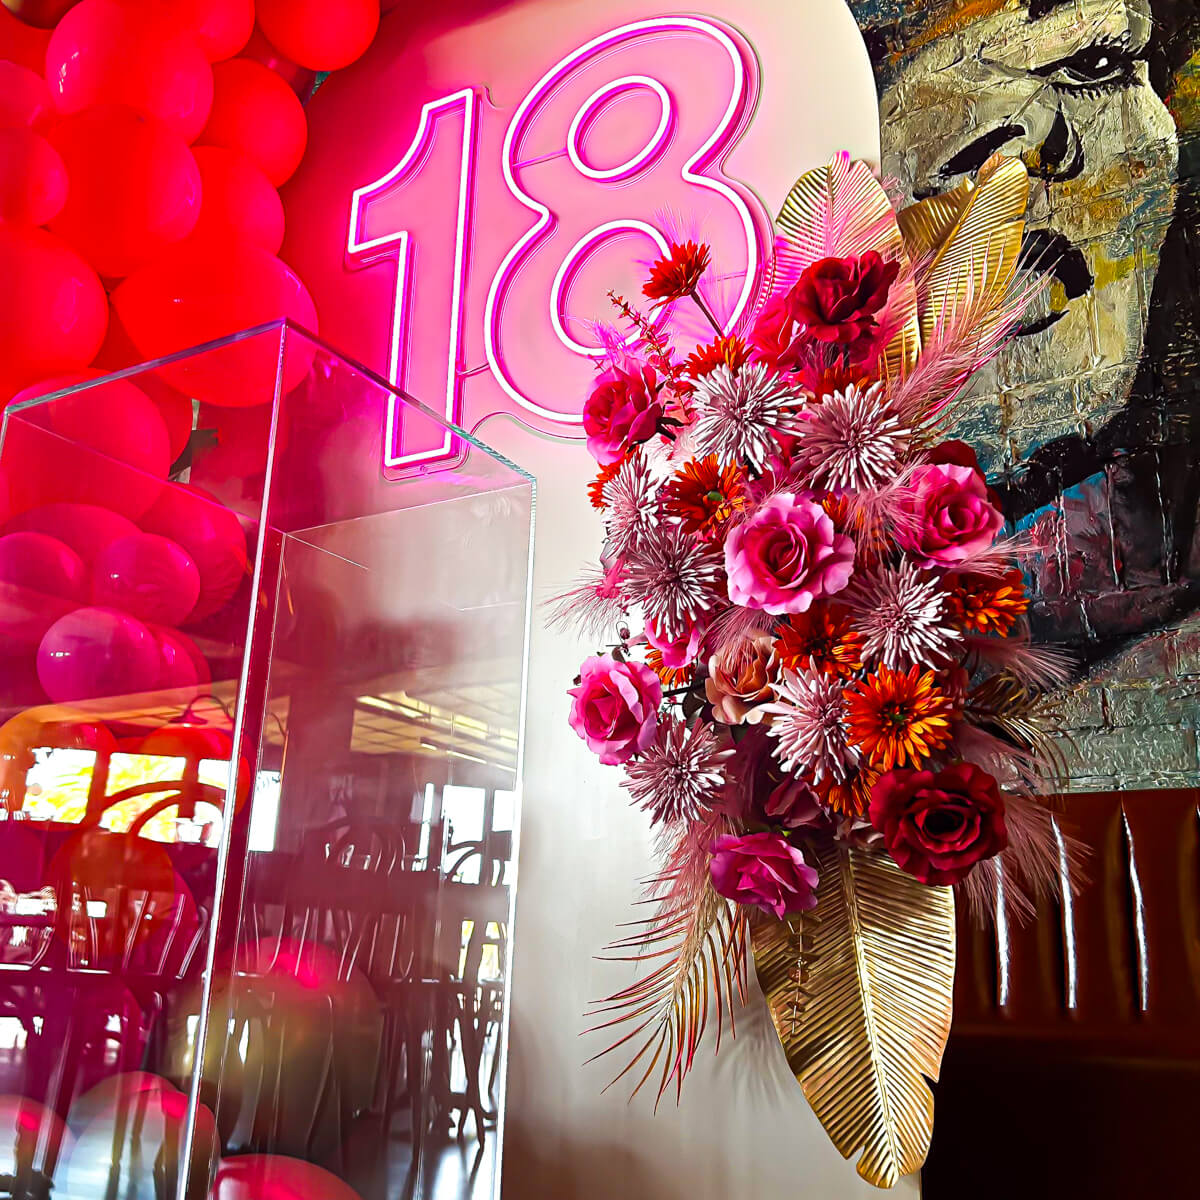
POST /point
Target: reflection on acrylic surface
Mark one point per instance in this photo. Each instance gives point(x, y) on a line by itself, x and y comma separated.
point(1087, 424)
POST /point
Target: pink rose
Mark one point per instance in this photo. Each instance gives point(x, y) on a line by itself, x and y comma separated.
point(739, 678)
point(786, 556)
point(946, 516)
point(622, 410)
point(615, 708)
point(794, 805)
point(679, 652)
point(764, 870)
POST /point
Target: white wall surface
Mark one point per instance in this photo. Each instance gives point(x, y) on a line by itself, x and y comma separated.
point(743, 1130)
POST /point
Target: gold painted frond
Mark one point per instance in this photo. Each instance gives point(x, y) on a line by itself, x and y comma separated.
point(842, 210)
point(970, 239)
point(700, 949)
point(864, 1020)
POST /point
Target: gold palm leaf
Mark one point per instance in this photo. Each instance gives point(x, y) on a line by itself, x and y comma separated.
point(971, 237)
point(861, 1000)
point(842, 210)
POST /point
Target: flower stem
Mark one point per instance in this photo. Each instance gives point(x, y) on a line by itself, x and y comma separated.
point(695, 295)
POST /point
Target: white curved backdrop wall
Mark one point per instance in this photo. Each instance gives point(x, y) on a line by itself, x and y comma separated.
point(742, 1130)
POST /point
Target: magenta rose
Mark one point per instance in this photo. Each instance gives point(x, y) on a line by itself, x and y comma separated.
point(764, 870)
point(622, 411)
point(837, 299)
point(787, 555)
point(679, 652)
point(615, 709)
point(938, 826)
point(794, 804)
point(945, 515)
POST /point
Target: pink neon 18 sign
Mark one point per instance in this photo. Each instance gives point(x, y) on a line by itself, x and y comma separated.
point(614, 149)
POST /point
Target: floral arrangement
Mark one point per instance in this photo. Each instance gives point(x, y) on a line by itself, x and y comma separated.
point(817, 675)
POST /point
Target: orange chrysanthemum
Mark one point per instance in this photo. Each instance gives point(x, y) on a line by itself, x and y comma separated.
point(984, 604)
point(704, 495)
point(852, 796)
point(672, 677)
point(597, 486)
point(870, 543)
point(897, 717)
point(824, 381)
point(730, 352)
point(821, 639)
point(677, 275)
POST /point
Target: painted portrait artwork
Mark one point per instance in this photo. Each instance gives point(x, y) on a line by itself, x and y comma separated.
point(1089, 425)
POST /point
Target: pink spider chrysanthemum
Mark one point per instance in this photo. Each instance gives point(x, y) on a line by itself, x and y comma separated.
point(632, 503)
point(680, 774)
point(675, 578)
point(741, 414)
point(808, 721)
point(853, 440)
point(901, 614)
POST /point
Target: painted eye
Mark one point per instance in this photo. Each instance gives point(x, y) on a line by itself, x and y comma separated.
point(1092, 68)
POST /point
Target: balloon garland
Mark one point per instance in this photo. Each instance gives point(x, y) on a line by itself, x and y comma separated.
point(142, 146)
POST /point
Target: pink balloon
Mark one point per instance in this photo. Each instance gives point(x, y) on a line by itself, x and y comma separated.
point(211, 534)
point(222, 27)
point(94, 652)
point(195, 294)
point(239, 202)
point(182, 665)
point(318, 35)
point(148, 576)
point(86, 528)
point(175, 409)
point(52, 308)
point(33, 178)
point(24, 98)
point(21, 43)
point(109, 52)
point(41, 579)
point(256, 112)
point(234, 451)
point(135, 187)
point(104, 445)
point(276, 1177)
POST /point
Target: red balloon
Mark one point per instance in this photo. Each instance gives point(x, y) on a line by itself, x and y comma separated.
point(109, 52)
point(183, 665)
point(254, 111)
point(175, 409)
point(199, 743)
point(24, 98)
point(318, 35)
point(211, 534)
point(194, 294)
point(299, 79)
point(235, 448)
point(45, 14)
point(276, 1177)
point(239, 202)
point(95, 652)
point(148, 576)
point(33, 178)
point(222, 27)
point(41, 579)
point(135, 187)
point(52, 308)
point(21, 43)
point(86, 528)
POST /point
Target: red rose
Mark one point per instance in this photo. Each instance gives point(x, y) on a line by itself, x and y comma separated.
point(836, 299)
point(773, 339)
point(938, 826)
point(622, 411)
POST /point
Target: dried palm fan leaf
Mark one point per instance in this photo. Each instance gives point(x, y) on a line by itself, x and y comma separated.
point(971, 237)
point(871, 1024)
point(842, 210)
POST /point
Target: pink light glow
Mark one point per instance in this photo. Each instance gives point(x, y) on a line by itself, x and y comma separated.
point(592, 107)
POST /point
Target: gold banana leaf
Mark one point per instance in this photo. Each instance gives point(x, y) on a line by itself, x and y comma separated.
point(972, 239)
point(842, 210)
point(860, 993)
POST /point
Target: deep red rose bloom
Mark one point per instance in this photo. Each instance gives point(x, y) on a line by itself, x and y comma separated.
point(837, 299)
point(773, 337)
point(938, 826)
point(623, 410)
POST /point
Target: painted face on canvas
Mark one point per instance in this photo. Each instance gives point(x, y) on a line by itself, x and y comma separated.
point(1065, 84)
